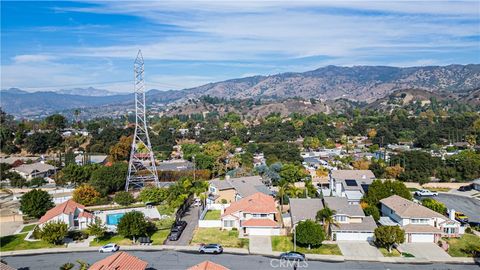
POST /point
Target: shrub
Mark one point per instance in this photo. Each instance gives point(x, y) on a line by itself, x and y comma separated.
point(387, 236)
point(373, 211)
point(77, 235)
point(86, 194)
point(36, 203)
point(469, 230)
point(309, 233)
point(54, 232)
point(123, 198)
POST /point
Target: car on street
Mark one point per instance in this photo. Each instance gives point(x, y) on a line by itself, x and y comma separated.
point(461, 217)
point(292, 256)
point(180, 224)
point(465, 188)
point(425, 193)
point(174, 234)
point(211, 248)
point(112, 247)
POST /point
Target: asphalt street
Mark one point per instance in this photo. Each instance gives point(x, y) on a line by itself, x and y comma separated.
point(171, 260)
point(469, 206)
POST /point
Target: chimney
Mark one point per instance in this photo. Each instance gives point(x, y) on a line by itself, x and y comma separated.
point(451, 214)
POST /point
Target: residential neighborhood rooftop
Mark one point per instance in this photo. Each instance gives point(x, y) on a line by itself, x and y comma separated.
point(256, 203)
point(408, 209)
point(341, 206)
point(303, 209)
point(64, 208)
point(119, 261)
point(208, 265)
point(245, 186)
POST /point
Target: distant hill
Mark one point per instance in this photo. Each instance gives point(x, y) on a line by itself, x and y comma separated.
point(90, 92)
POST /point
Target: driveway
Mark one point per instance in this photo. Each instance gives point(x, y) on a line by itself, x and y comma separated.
point(259, 244)
point(191, 217)
point(468, 206)
point(358, 250)
point(428, 251)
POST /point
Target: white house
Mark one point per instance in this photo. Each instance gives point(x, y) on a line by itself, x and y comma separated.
point(351, 184)
point(38, 169)
point(420, 223)
point(70, 212)
point(252, 215)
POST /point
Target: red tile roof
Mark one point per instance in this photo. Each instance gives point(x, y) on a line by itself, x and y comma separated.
point(255, 203)
point(259, 222)
point(119, 261)
point(86, 214)
point(67, 207)
point(5, 267)
point(208, 265)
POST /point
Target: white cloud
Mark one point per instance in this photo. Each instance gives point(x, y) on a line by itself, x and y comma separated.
point(32, 58)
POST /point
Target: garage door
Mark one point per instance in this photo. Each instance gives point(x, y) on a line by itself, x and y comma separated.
point(422, 238)
point(341, 236)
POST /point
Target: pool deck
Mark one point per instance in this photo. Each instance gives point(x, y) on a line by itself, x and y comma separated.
point(150, 212)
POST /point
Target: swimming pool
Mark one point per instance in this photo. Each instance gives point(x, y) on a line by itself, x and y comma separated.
point(113, 219)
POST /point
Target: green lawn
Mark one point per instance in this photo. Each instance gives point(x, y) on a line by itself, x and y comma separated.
point(111, 238)
point(212, 215)
point(394, 253)
point(159, 236)
point(17, 242)
point(457, 246)
point(28, 228)
point(165, 209)
point(285, 243)
point(217, 236)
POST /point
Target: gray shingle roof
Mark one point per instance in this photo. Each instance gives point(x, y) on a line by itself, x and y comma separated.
point(367, 225)
point(30, 168)
point(341, 206)
point(244, 186)
point(303, 209)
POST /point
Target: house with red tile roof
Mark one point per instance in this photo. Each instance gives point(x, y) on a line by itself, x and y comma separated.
point(253, 215)
point(208, 265)
point(119, 261)
point(70, 212)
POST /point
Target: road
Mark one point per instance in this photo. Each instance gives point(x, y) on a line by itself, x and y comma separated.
point(469, 206)
point(171, 260)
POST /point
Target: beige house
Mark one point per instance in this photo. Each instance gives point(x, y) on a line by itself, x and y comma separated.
point(30, 171)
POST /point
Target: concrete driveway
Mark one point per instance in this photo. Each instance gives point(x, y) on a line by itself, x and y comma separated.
point(259, 244)
point(468, 206)
point(358, 250)
point(428, 251)
point(191, 217)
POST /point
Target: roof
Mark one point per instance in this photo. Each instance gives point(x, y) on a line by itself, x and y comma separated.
point(303, 209)
point(421, 229)
point(256, 203)
point(367, 225)
point(244, 186)
point(363, 175)
point(408, 209)
point(175, 165)
point(119, 261)
point(86, 214)
point(5, 267)
point(92, 158)
point(260, 222)
point(29, 168)
point(64, 208)
point(208, 265)
point(342, 207)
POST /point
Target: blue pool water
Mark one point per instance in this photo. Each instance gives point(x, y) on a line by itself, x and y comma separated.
point(113, 219)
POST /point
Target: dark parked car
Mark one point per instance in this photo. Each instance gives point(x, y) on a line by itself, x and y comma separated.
point(465, 188)
point(175, 234)
point(292, 256)
point(181, 223)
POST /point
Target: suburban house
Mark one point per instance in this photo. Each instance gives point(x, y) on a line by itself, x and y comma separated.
point(208, 265)
point(253, 215)
point(176, 165)
point(234, 189)
point(352, 224)
point(476, 184)
point(70, 212)
point(420, 223)
point(90, 159)
point(351, 184)
point(119, 261)
point(33, 170)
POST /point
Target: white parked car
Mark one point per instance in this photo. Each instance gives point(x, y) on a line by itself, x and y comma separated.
point(425, 193)
point(109, 248)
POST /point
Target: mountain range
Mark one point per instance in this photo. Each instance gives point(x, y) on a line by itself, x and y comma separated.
point(358, 83)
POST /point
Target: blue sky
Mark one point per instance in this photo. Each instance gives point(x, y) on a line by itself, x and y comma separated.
point(60, 45)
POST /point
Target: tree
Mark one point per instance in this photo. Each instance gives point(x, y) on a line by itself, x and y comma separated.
point(36, 203)
point(373, 211)
point(56, 121)
point(435, 205)
point(123, 198)
point(121, 150)
point(54, 232)
point(86, 194)
point(309, 233)
point(109, 179)
point(76, 174)
point(393, 171)
point(293, 173)
point(153, 195)
point(326, 217)
point(361, 164)
point(387, 236)
point(96, 228)
point(379, 190)
point(16, 180)
point(133, 225)
point(37, 182)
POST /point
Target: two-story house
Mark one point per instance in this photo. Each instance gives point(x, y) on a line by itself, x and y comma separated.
point(253, 215)
point(351, 184)
point(70, 212)
point(351, 222)
point(420, 223)
point(234, 189)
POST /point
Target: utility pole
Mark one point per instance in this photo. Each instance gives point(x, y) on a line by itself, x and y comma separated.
point(141, 166)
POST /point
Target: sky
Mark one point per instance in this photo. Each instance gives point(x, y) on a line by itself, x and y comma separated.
point(62, 45)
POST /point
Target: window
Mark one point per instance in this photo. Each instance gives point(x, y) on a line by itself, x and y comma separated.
point(263, 215)
point(228, 223)
point(212, 189)
point(341, 218)
point(419, 220)
point(449, 230)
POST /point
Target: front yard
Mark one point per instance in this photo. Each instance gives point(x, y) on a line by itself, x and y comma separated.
point(463, 246)
point(285, 243)
point(212, 215)
point(217, 236)
point(28, 228)
point(394, 253)
point(17, 242)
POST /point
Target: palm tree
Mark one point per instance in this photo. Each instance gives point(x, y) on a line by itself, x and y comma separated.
point(283, 186)
point(326, 217)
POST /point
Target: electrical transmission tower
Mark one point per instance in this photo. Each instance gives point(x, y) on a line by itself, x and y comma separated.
point(141, 167)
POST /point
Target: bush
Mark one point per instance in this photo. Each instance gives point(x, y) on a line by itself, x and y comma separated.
point(373, 211)
point(133, 225)
point(123, 198)
point(154, 195)
point(387, 236)
point(36, 203)
point(77, 235)
point(86, 194)
point(309, 233)
point(54, 232)
point(469, 230)
point(37, 233)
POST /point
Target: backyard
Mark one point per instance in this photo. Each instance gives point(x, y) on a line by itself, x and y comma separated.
point(212, 215)
point(285, 243)
point(217, 236)
point(463, 246)
point(17, 242)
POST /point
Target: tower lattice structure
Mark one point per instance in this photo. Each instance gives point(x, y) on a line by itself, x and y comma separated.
point(141, 167)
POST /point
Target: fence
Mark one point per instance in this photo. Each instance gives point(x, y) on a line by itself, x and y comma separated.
point(211, 223)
